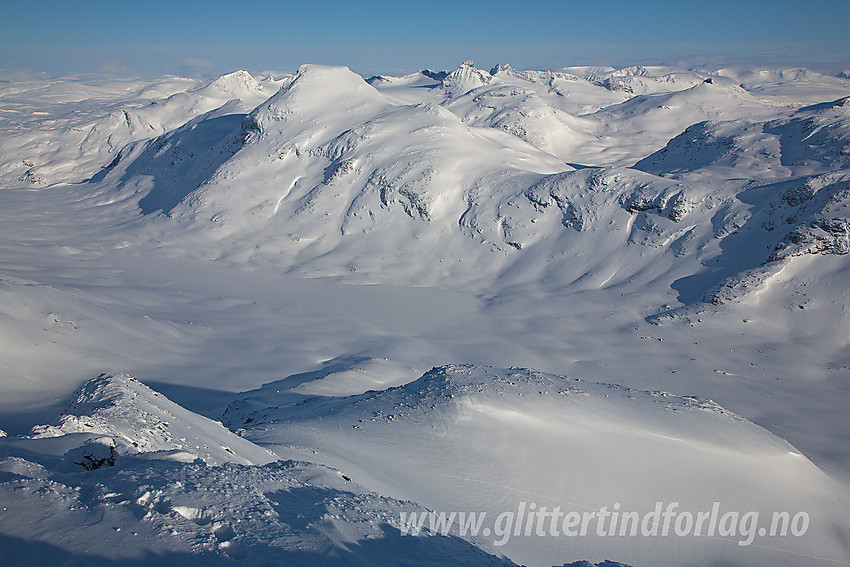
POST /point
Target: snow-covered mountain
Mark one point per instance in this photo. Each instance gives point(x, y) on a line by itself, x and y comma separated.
point(71, 141)
point(289, 257)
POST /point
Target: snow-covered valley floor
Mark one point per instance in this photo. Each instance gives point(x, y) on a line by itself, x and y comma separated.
point(268, 320)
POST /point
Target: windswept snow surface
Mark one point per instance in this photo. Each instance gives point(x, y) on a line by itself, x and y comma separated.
point(496, 439)
point(271, 319)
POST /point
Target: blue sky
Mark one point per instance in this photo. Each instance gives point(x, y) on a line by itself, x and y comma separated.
point(212, 37)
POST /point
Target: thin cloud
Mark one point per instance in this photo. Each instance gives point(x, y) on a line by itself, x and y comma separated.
point(115, 67)
point(191, 66)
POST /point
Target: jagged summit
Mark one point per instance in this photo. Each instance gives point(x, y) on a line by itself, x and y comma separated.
point(464, 79)
point(501, 68)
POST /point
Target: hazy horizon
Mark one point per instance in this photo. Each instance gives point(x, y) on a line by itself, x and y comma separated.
point(377, 37)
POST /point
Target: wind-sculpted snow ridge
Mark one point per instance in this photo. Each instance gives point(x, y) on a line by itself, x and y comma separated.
point(465, 437)
point(119, 410)
point(452, 385)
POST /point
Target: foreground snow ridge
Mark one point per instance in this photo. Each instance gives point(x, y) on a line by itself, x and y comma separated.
point(138, 420)
point(136, 474)
point(488, 440)
point(481, 439)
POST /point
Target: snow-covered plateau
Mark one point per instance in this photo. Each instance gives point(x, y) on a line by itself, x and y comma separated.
point(583, 317)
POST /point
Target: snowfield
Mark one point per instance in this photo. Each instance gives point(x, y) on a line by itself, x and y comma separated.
point(590, 316)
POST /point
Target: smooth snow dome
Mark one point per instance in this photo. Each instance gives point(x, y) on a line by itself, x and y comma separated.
point(326, 319)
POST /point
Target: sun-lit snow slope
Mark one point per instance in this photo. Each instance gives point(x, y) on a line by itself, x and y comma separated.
point(485, 439)
point(136, 419)
point(647, 122)
point(71, 138)
point(129, 482)
point(814, 139)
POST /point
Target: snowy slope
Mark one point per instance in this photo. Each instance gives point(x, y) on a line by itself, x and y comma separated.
point(649, 121)
point(797, 169)
point(516, 107)
point(483, 439)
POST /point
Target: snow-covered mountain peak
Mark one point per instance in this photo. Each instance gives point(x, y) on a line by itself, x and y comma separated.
point(234, 85)
point(330, 94)
point(501, 68)
point(633, 71)
point(464, 79)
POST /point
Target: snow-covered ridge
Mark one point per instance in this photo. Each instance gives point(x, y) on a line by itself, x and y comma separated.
point(478, 438)
point(140, 420)
point(457, 385)
point(191, 514)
